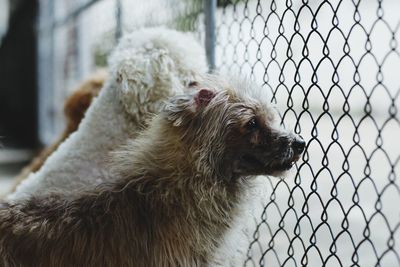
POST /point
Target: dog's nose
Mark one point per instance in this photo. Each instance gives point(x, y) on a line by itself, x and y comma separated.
point(298, 145)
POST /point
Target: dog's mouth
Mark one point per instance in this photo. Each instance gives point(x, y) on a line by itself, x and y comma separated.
point(284, 165)
point(260, 166)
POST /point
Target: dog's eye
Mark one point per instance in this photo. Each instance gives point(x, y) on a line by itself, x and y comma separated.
point(252, 124)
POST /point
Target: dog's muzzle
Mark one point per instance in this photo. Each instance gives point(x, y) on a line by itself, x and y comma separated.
point(298, 145)
point(289, 155)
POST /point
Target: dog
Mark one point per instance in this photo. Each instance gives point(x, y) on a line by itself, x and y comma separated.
point(74, 110)
point(146, 68)
point(176, 188)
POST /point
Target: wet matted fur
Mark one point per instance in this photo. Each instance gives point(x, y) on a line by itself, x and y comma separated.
point(177, 188)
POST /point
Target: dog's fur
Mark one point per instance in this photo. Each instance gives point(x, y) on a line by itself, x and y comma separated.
point(74, 110)
point(146, 68)
point(176, 190)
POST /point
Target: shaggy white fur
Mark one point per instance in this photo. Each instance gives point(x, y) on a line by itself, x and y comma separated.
point(146, 67)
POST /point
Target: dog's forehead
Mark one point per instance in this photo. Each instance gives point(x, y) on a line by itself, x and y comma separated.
point(262, 108)
point(240, 90)
point(255, 97)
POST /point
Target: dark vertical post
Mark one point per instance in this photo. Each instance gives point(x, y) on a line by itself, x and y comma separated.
point(18, 128)
point(118, 17)
point(210, 8)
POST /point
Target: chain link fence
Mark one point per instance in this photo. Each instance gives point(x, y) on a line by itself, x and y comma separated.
point(332, 70)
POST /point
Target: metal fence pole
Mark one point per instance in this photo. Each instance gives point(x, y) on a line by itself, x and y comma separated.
point(45, 70)
point(118, 17)
point(74, 13)
point(210, 7)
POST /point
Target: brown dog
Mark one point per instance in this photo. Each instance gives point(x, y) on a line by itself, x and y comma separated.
point(176, 190)
point(74, 110)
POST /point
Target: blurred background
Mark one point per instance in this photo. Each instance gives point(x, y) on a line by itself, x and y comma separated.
point(48, 47)
point(18, 89)
point(331, 68)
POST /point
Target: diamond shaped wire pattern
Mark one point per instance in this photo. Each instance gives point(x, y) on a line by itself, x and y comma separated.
point(331, 68)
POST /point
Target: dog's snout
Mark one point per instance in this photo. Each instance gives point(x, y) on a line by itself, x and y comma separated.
point(298, 145)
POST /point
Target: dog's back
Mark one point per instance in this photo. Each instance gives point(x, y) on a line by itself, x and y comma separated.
point(147, 67)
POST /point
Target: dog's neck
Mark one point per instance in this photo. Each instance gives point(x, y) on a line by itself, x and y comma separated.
point(185, 224)
point(158, 169)
point(160, 155)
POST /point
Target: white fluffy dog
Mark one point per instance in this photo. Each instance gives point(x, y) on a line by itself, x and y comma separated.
point(146, 67)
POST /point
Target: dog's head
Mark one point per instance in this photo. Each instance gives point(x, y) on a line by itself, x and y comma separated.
point(233, 129)
point(150, 65)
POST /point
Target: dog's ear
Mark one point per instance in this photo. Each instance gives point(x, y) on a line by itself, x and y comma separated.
point(185, 107)
point(203, 97)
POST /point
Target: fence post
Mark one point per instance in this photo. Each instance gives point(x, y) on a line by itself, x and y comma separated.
point(210, 7)
point(118, 17)
point(45, 63)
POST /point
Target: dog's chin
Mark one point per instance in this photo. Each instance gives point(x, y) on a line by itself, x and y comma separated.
point(252, 165)
point(279, 174)
point(282, 168)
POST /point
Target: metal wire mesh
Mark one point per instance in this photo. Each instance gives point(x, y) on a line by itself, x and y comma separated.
point(331, 68)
